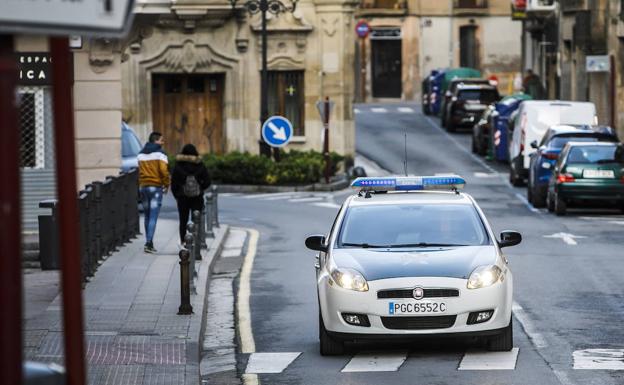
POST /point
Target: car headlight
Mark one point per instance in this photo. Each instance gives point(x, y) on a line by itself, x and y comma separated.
point(484, 276)
point(349, 279)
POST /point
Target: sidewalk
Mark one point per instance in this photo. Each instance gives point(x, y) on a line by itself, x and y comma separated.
point(133, 334)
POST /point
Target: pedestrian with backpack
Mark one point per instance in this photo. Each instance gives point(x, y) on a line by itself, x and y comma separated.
point(189, 180)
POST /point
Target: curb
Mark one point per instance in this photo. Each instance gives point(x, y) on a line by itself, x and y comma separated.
point(199, 301)
point(248, 188)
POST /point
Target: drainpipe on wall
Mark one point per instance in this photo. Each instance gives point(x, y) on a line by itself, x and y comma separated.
point(451, 53)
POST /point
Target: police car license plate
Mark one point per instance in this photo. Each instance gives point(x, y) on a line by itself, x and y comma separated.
point(598, 174)
point(402, 308)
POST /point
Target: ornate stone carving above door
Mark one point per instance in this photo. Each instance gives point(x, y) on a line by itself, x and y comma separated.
point(189, 57)
point(329, 25)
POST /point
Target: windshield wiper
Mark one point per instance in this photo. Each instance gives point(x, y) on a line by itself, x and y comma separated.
point(425, 244)
point(364, 245)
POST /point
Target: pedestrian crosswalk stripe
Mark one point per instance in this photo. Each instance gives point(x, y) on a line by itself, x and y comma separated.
point(270, 362)
point(605, 359)
point(371, 362)
point(405, 109)
point(479, 360)
point(379, 110)
point(308, 199)
point(327, 204)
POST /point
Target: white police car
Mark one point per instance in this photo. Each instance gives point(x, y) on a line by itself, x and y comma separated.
point(400, 263)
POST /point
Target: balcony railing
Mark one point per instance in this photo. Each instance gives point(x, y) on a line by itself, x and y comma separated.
point(383, 4)
point(470, 4)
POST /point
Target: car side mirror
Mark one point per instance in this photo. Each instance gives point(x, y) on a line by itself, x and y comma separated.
point(509, 238)
point(316, 243)
point(534, 144)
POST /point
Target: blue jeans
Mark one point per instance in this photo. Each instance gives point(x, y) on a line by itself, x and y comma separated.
point(151, 197)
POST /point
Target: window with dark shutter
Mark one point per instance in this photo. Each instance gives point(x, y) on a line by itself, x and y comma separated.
point(286, 97)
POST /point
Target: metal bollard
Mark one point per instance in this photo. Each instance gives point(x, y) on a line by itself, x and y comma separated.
point(185, 284)
point(215, 205)
point(200, 235)
point(189, 244)
point(208, 214)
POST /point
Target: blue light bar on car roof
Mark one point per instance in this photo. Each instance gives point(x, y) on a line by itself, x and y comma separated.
point(410, 183)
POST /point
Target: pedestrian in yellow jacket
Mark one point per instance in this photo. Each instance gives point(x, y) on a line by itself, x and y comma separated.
point(153, 183)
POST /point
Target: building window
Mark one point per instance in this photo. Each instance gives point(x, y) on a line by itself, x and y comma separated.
point(286, 97)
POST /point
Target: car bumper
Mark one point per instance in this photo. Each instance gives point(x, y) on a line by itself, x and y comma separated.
point(334, 301)
point(591, 191)
point(466, 118)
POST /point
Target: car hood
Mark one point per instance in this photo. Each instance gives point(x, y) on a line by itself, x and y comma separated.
point(452, 262)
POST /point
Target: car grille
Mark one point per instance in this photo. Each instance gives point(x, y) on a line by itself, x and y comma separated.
point(407, 293)
point(418, 323)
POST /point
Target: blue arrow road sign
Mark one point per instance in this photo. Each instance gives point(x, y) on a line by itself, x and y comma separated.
point(277, 131)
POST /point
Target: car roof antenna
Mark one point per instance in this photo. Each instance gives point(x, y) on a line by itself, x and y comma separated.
point(405, 161)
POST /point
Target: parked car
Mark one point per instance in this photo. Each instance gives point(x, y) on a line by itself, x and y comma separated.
point(534, 118)
point(440, 81)
point(543, 160)
point(130, 148)
point(468, 103)
point(452, 87)
point(481, 131)
point(589, 173)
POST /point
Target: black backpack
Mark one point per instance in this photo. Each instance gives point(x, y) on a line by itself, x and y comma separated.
point(191, 188)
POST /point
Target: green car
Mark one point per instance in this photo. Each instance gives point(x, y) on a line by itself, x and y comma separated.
point(587, 173)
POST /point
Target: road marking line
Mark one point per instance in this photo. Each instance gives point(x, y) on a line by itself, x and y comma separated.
point(371, 362)
point(536, 338)
point(356, 111)
point(474, 360)
point(485, 175)
point(289, 196)
point(265, 195)
point(405, 110)
point(248, 344)
point(621, 223)
point(567, 238)
point(309, 199)
point(229, 194)
point(604, 359)
point(270, 362)
point(327, 205)
point(529, 206)
point(379, 110)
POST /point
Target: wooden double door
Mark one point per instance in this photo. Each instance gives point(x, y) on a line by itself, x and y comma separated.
point(188, 108)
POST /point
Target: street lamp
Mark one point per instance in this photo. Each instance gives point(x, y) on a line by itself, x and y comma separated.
point(263, 6)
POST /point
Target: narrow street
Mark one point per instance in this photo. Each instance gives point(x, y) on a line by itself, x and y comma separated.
point(566, 288)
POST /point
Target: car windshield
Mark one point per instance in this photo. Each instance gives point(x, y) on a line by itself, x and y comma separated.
point(596, 154)
point(485, 96)
point(130, 145)
point(412, 225)
point(558, 142)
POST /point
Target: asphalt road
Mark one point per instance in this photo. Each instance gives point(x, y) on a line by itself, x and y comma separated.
point(568, 290)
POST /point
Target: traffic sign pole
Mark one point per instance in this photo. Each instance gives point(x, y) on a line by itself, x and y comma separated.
point(71, 275)
point(326, 137)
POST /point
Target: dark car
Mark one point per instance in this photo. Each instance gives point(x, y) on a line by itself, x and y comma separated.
point(481, 131)
point(452, 88)
point(588, 173)
point(543, 161)
point(468, 103)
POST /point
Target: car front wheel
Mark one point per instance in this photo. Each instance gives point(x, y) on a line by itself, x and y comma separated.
point(503, 342)
point(328, 345)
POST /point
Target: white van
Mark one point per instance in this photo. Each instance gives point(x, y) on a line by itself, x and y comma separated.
point(533, 119)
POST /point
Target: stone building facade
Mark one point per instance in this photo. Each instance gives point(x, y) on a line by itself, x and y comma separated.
point(560, 45)
point(191, 69)
point(409, 38)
